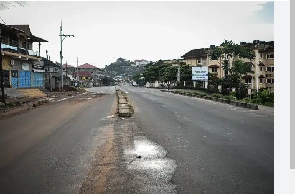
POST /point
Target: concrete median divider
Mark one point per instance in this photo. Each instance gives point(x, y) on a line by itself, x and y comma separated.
point(125, 109)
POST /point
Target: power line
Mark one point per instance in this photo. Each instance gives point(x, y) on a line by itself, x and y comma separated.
point(3, 21)
point(6, 3)
point(4, 6)
point(11, 4)
point(20, 4)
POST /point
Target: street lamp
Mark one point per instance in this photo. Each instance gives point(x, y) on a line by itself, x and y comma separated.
point(62, 38)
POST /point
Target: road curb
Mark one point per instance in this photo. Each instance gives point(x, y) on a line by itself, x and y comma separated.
point(220, 100)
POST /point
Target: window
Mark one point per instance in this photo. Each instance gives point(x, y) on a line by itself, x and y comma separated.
point(270, 81)
point(261, 80)
point(248, 80)
point(261, 56)
point(270, 56)
point(261, 68)
point(199, 61)
point(214, 69)
point(270, 69)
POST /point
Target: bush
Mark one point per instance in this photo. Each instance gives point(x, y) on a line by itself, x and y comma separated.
point(266, 96)
point(232, 94)
point(256, 100)
point(229, 97)
point(217, 95)
point(247, 100)
point(190, 88)
point(269, 104)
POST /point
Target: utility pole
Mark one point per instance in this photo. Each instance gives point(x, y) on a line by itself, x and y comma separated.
point(77, 74)
point(1, 71)
point(62, 37)
point(66, 69)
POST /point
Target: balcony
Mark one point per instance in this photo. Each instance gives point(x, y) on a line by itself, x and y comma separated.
point(268, 62)
point(18, 52)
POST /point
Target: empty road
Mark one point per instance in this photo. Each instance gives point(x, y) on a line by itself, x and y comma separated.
point(218, 148)
point(172, 144)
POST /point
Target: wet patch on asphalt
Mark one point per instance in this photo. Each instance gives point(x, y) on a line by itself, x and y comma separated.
point(151, 168)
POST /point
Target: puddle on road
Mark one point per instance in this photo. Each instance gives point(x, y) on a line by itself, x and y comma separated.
point(148, 163)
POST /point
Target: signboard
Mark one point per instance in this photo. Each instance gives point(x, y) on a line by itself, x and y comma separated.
point(200, 73)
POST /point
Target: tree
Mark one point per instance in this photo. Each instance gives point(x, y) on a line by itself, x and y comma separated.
point(170, 74)
point(233, 72)
point(137, 77)
point(185, 73)
point(154, 72)
point(227, 50)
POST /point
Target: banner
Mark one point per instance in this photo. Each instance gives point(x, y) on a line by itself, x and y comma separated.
point(200, 73)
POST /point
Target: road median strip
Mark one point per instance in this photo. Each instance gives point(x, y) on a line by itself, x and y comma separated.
point(124, 108)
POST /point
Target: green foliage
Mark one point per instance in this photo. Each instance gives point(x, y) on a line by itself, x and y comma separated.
point(169, 74)
point(154, 72)
point(232, 94)
point(185, 73)
point(247, 99)
point(216, 95)
point(266, 96)
point(137, 77)
point(239, 68)
point(122, 67)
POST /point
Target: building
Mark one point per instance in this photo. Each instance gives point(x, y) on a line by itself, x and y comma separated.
point(22, 66)
point(141, 62)
point(68, 69)
point(86, 71)
point(262, 65)
point(196, 57)
point(173, 62)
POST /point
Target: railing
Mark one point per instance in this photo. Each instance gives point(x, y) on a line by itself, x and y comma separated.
point(6, 46)
point(15, 49)
point(33, 53)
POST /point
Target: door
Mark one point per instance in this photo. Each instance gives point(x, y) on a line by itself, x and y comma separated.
point(24, 79)
point(37, 80)
point(14, 78)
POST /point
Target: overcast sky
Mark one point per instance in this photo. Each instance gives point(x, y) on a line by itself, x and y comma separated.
point(134, 30)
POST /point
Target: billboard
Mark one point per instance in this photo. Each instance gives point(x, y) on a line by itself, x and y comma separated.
point(200, 73)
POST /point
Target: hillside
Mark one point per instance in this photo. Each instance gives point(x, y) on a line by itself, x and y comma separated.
point(122, 67)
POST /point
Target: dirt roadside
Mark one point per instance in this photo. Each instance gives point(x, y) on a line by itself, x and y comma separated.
point(47, 117)
point(23, 105)
point(108, 174)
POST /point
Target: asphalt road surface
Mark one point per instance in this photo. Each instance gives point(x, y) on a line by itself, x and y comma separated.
point(172, 144)
point(50, 149)
point(218, 148)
